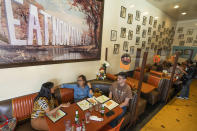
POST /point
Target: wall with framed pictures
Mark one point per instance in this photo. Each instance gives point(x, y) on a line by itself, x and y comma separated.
point(185, 52)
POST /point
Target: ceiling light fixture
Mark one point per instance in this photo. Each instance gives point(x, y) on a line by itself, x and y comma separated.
point(131, 6)
point(176, 6)
point(184, 13)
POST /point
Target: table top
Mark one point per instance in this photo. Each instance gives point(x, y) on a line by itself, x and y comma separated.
point(146, 88)
point(93, 125)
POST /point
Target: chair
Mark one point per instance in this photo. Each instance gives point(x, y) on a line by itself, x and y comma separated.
point(117, 128)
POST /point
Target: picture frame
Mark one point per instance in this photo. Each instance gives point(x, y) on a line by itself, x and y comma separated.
point(163, 24)
point(137, 40)
point(144, 34)
point(190, 32)
point(132, 50)
point(123, 32)
point(123, 12)
point(163, 41)
point(138, 28)
point(149, 40)
point(144, 20)
point(155, 24)
point(130, 18)
point(187, 51)
point(113, 35)
point(189, 40)
point(125, 46)
point(159, 27)
point(152, 45)
point(149, 30)
point(181, 43)
point(154, 34)
point(130, 35)
point(116, 48)
point(181, 36)
point(161, 34)
point(147, 49)
point(157, 38)
point(180, 30)
point(195, 43)
point(138, 14)
point(32, 47)
point(150, 20)
point(143, 44)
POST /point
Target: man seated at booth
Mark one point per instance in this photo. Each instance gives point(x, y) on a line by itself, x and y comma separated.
point(82, 89)
point(121, 93)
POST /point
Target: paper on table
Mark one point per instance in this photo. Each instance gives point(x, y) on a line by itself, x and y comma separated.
point(59, 116)
point(102, 99)
point(84, 105)
point(111, 104)
point(92, 100)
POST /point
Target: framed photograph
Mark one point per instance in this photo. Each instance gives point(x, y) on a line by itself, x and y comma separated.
point(130, 35)
point(130, 18)
point(149, 40)
point(123, 33)
point(159, 27)
point(161, 34)
point(143, 44)
point(163, 24)
point(125, 45)
point(181, 36)
point(150, 20)
point(123, 12)
point(154, 34)
point(155, 24)
point(180, 30)
point(163, 41)
point(181, 43)
point(195, 43)
point(149, 30)
point(30, 43)
point(113, 35)
point(132, 49)
point(187, 51)
point(138, 14)
point(138, 28)
point(190, 32)
point(159, 43)
point(152, 46)
point(144, 20)
point(137, 40)
point(155, 48)
point(144, 34)
point(189, 40)
point(157, 38)
point(147, 49)
point(116, 48)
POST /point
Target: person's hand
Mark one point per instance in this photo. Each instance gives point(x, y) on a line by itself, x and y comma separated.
point(89, 85)
point(65, 105)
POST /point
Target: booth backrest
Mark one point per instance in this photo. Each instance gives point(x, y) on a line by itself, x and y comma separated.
point(111, 76)
point(153, 80)
point(136, 75)
point(156, 73)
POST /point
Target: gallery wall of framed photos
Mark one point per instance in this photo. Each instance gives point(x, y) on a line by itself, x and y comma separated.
point(139, 26)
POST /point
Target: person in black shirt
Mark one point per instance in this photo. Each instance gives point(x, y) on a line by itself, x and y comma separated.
point(187, 79)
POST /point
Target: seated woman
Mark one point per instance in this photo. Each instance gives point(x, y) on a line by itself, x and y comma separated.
point(82, 89)
point(44, 104)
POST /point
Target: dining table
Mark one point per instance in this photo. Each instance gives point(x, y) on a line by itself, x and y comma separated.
point(91, 126)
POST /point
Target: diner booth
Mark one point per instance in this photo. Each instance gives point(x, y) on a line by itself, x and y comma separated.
point(84, 57)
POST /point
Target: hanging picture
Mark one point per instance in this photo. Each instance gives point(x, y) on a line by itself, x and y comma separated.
point(113, 35)
point(36, 32)
point(123, 12)
point(147, 49)
point(180, 30)
point(189, 39)
point(159, 27)
point(137, 40)
point(143, 44)
point(163, 24)
point(116, 48)
point(138, 14)
point(152, 46)
point(155, 48)
point(150, 20)
point(161, 34)
point(144, 20)
point(163, 41)
point(154, 34)
point(149, 40)
point(190, 32)
point(130, 35)
point(149, 30)
point(138, 28)
point(144, 34)
point(157, 38)
point(132, 50)
point(181, 43)
point(130, 18)
point(155, 24)
point(126, 60)
point(123, 33)
point(195, 43)
point(125, 46)
point(181, 36)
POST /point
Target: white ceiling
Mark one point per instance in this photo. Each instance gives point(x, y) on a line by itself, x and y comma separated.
point(167, 6)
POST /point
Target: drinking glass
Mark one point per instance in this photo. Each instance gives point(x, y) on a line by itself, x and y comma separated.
point(90, 107)
point(68, 125)
point(87, 117)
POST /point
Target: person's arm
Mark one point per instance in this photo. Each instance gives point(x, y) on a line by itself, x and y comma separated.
point(125, 103)
point(110, 95)
point(71, 86)
point(90, 94)
point(182, 70)
point(51, 112)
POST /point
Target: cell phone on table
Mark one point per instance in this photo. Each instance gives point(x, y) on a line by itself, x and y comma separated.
point(110, 113)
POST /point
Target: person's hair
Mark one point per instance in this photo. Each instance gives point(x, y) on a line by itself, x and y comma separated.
point(123, 75)
point(83, 78)
point(45, 91)
point(190, 62)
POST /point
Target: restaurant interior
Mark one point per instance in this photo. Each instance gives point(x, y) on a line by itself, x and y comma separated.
point(98, 65)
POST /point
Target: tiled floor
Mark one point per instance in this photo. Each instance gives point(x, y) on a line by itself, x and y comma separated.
point(177, 115)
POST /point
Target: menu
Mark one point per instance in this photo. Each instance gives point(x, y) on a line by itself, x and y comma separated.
point(102, 99)
point(92, 100)
point(111, 104)
point(84, 105)
point(59, 115)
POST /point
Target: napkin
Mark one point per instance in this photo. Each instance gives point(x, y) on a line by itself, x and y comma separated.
point(95, 118)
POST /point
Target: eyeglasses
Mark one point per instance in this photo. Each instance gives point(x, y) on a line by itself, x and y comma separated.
point(79, 80)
